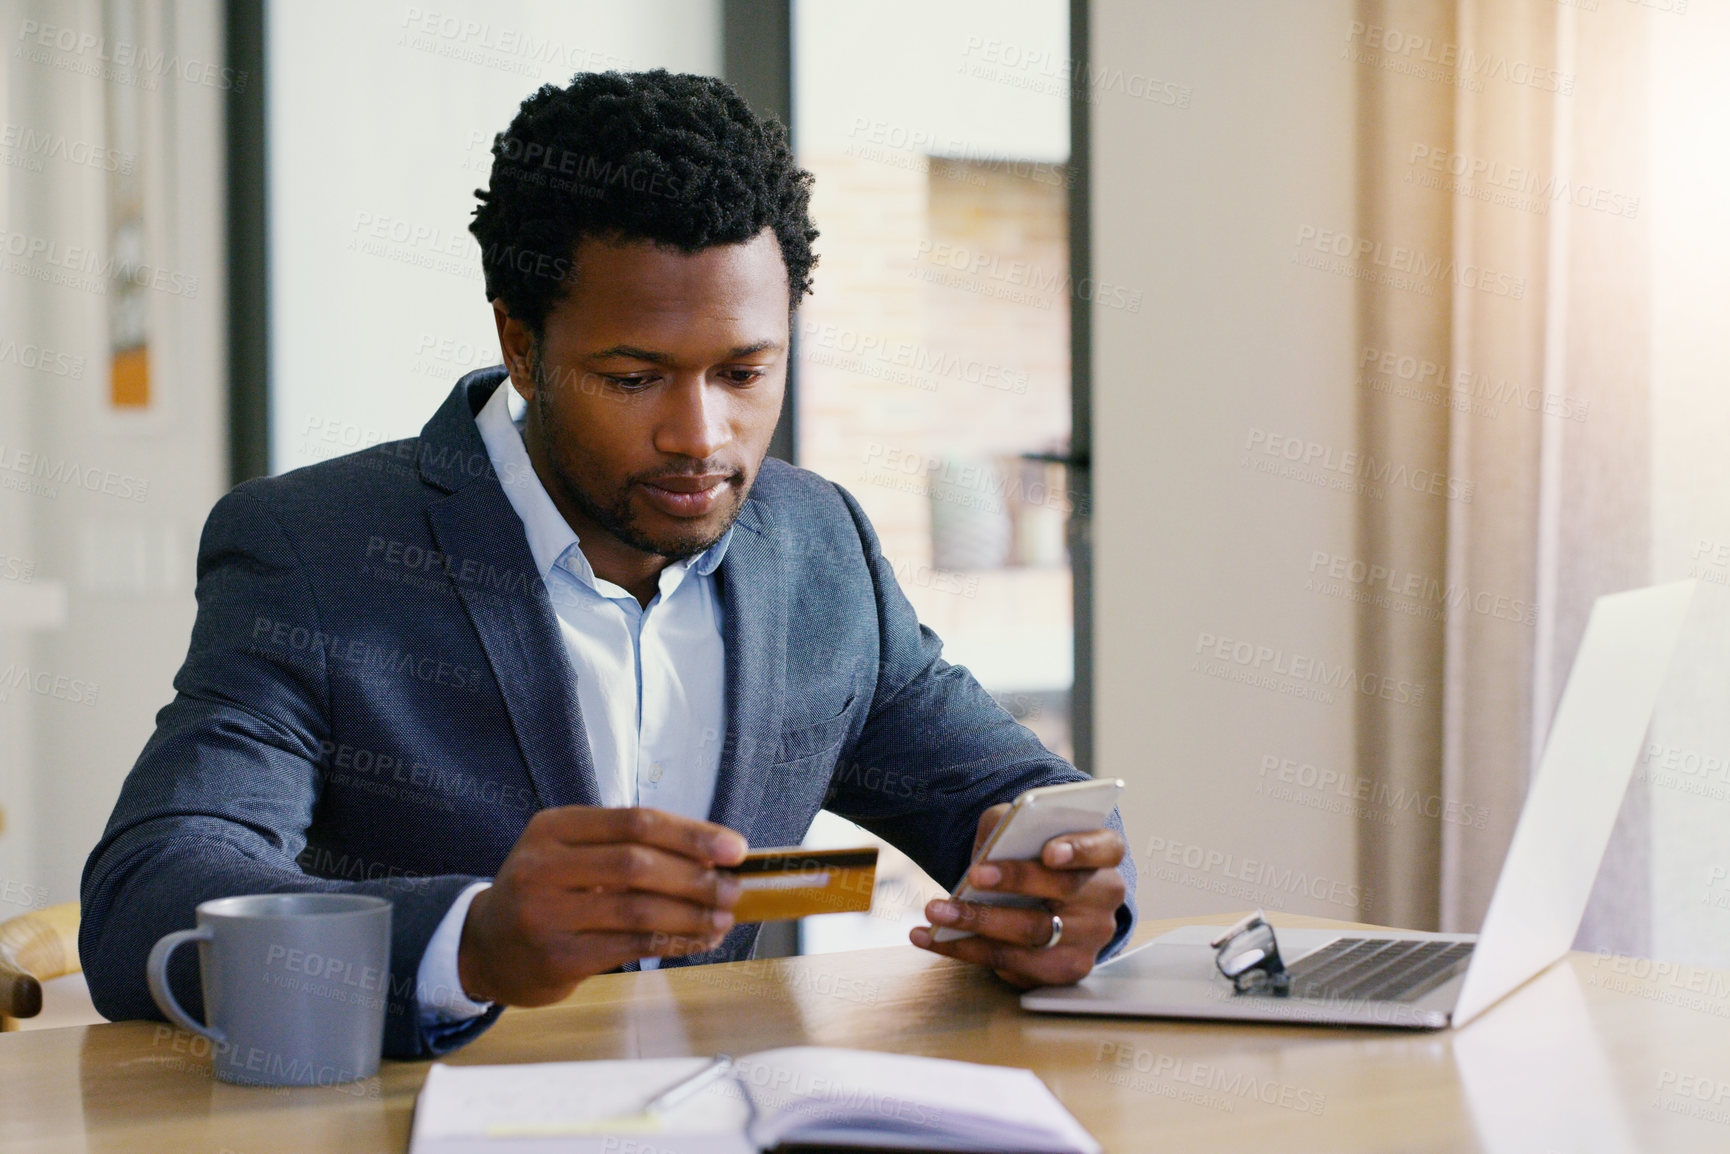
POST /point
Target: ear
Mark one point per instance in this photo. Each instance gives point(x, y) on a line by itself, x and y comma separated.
point(517, 347)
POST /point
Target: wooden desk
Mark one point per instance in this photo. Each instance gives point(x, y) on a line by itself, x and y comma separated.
point(1598, 1054)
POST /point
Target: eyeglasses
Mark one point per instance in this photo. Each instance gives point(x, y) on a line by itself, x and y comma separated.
point(1249, 956)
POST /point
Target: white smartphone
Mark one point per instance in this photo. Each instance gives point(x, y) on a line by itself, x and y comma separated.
point(1036, 817)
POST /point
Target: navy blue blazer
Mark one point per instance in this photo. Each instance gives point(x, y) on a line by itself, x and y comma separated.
point(376, 699)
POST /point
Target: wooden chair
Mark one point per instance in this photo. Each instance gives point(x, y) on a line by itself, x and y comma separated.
point(34, 948)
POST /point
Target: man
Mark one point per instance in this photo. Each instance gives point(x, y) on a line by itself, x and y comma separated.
point(538, 675)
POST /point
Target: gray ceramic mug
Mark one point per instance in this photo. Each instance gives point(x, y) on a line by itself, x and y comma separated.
point(295, 986)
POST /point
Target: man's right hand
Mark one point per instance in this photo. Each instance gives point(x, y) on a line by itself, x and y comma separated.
point(587, 889)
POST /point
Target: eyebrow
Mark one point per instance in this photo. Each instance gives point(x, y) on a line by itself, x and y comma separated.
point(632, 352)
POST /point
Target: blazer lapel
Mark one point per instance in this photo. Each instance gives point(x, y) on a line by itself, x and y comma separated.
point(754, 631)
point(505, 597)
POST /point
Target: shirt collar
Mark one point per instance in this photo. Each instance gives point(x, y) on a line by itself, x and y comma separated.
point(551, 538)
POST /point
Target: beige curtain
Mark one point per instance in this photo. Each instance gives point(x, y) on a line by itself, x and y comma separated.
point(1474, 147)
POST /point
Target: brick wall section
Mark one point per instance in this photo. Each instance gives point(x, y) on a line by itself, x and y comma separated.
point(939, 328)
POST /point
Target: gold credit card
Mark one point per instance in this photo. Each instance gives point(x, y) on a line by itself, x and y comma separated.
point(794, 882)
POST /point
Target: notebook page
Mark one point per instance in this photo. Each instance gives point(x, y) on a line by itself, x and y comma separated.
point(555, 1106)
point(831, 1092)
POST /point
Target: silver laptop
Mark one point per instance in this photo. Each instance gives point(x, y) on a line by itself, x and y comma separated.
point(1431, 981)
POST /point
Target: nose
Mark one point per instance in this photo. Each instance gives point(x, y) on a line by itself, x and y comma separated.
point(695, 423)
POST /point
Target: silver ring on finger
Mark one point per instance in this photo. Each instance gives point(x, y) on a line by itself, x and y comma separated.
point(1056, 933)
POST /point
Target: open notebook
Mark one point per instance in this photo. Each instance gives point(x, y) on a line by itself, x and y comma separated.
point(799, 1096)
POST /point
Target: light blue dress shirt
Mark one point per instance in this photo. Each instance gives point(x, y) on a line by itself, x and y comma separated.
point(651, 680)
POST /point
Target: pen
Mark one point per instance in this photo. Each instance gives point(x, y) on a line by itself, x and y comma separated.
point(686, 1087)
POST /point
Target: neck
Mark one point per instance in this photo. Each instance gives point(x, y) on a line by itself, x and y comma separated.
point(612, 560)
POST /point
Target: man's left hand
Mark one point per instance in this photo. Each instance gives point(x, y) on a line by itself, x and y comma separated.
point(1076, 878)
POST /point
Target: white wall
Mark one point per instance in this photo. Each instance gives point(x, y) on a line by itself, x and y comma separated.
point(382, 119)
point(1016, 107)
point(1199, 207)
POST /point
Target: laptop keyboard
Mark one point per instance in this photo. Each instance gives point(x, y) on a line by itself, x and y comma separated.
point(1376, 969)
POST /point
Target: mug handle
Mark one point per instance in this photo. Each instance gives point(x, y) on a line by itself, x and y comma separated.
point(156, 972)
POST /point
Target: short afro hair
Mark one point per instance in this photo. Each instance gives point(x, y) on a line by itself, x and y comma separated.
point(679, 160)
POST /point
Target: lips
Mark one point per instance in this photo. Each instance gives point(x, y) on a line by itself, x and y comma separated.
point(686, 496)
point(695, 484)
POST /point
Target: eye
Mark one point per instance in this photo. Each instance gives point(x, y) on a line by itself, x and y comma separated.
point(748, 375)
point(630, 384)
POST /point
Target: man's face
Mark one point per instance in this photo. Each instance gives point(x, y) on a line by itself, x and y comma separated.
point(655, 387)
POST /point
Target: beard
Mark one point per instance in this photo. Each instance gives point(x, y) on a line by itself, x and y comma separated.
point(613, 511)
